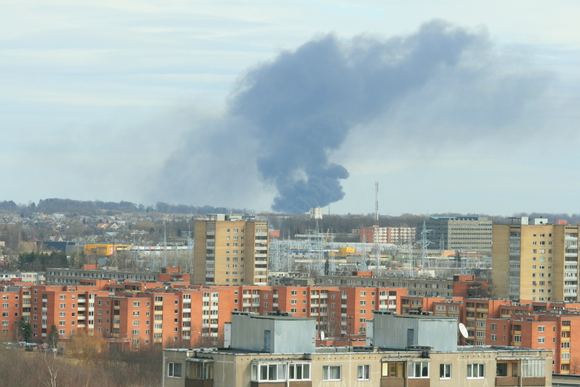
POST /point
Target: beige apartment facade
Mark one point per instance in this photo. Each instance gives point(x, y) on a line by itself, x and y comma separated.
point(346, 367)
point(535, 261)
point(403, 351)
point(230, 250)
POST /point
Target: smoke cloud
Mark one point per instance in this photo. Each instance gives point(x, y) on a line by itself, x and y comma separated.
point(286, 118)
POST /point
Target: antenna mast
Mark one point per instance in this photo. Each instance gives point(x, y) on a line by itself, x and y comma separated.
point(164, 244)
point(376, 228)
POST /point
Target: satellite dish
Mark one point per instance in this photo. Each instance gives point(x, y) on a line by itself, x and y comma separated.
point(322, 335)
point(463, 330)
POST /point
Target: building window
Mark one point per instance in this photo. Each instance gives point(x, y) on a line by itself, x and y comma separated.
point(174, 370)
point(418, 369)
point(475, 371)
point(331, 372)
point(299, 371)
point(445, 371)
point(501, 369)
point(268, 372)
point(534, 368)
point(363, 372)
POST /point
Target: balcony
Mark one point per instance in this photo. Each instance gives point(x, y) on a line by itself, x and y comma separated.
point(292, 383)
point(391, 381)
point(507, 381)
point(514, 381)
point(198, 383)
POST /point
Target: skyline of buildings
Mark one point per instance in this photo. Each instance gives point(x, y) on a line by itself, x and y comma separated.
point(136, 310)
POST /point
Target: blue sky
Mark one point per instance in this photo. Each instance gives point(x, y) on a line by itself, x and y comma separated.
point(95, 96)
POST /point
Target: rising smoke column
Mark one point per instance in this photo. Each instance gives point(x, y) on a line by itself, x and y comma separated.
point(284, 122)
point(303, 104)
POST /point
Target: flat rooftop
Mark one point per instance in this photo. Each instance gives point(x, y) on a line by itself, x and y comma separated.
point(284, 317)
point(358, 350)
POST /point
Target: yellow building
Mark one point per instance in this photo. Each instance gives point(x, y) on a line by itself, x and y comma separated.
point(346, 251)
point(535, 261)
point(104, 249)
point(230, 250)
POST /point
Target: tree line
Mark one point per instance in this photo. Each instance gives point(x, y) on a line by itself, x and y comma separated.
point(81, 207)
point(42, 261)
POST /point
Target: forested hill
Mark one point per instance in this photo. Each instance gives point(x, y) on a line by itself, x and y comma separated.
point(67, 206)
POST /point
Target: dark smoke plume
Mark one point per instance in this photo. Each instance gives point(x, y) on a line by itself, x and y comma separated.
point(300, 108)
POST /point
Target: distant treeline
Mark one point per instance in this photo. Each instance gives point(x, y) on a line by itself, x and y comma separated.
point(289, 225)
point(69, 206)
point(42, 261)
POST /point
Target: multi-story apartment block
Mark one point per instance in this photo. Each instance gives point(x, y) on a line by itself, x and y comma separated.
point(393, 235)
point(13, 303)
point(230, 250)
point(475, 317)
point(68, 309)
point(535, 261)
point(472, 312)
point(136, 316)
point(466, 233)
point(280, 351)
point(554, 330)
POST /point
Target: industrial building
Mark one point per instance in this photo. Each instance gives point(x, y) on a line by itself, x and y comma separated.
point(464, 233)
point(66, 276)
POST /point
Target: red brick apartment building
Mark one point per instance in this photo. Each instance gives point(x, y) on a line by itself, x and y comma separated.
point(135, 315)
point(553, 328)
point(535, 325)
